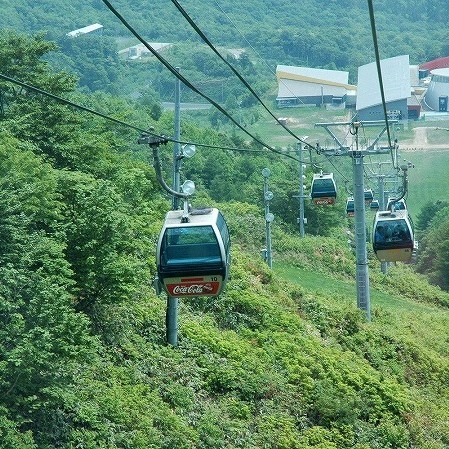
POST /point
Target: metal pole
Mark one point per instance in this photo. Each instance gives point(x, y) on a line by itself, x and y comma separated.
point(171, 321)
point(267, 195)
point(173, 303)
point(267, 222)
point(177, 146)
point(269, 257)
point(301, 191)
point(362, 277)
point(381, 187)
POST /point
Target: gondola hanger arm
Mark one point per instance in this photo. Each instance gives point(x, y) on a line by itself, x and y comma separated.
point(158, 168)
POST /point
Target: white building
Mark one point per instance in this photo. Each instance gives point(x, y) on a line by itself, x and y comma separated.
point(396, 80)
point(90, 29)
point(437, 94)
point(140, 50)
point(301, 86)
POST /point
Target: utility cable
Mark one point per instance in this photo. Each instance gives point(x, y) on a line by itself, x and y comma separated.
point(329, 160)
point(379, 71)
point(187, 82)
point(120, 122)
point(68, 102)
point(336, 169)
point(236, 73)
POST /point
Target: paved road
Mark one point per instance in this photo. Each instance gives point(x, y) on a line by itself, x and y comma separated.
point(186, 106)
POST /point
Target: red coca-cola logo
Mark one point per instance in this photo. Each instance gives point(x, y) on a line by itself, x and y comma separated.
point(195, 289)
point(324, 201)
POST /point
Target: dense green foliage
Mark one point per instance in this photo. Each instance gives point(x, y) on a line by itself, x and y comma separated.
point(327, 34)
point(269, 364)
point(434, 260)
point(290, 31)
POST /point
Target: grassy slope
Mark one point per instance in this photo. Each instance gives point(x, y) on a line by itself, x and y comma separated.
point(429, 180)
point(407, 336)
point(345, 290)
point(407, 318)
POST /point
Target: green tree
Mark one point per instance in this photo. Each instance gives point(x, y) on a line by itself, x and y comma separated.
point(29, 115)
point(43, 342)
point(93, 58)
point(434, 249)
point(427, 214)
point(101, 247)
point(22, 58)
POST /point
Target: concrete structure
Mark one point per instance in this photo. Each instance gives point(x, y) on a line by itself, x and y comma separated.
point(437, 94)
point(95, 28)
point(396, 76)
point(305, 86)
point(139, 51)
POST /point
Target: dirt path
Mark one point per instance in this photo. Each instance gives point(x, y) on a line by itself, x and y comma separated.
point(421, 143)
point(420, 136)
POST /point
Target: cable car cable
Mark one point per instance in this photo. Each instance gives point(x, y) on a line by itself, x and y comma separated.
point(120, 122)
point(236, 73)
point(379, 71)
point(187, 82)
point(334, 166)
point(69, 103)
point(255, 51)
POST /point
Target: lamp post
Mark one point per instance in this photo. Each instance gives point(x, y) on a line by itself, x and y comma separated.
point(171, 316)
point(177, 146)
point(188, 151)
point(302, 166)
point(269, 217)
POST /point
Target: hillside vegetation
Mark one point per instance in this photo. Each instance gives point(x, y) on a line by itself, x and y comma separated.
point(318, 33)
point(276, 362)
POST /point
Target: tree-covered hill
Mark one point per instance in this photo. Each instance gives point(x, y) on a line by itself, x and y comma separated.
point(302, 27)
point(316, 33)
point(273, 363)
point(322, 34)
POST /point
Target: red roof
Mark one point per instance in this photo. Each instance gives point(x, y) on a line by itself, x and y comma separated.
point(440, 63)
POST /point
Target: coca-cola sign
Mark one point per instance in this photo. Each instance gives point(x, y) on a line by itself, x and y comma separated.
point(180, 289)
point(324, 201)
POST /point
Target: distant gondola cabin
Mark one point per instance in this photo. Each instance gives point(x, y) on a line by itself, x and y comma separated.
point(323, 190)
point(369, 196)
point(393, 239)
point(396, 204)
point(193, 258)
point(350, 209)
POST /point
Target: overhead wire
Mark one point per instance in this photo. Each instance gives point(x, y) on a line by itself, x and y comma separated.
point(188, 83)
point(206, 40)
point(367, 165)
point(344, 177)
point(120, 122)
point(69, 103)
point(233, 69)
point(379, 73)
